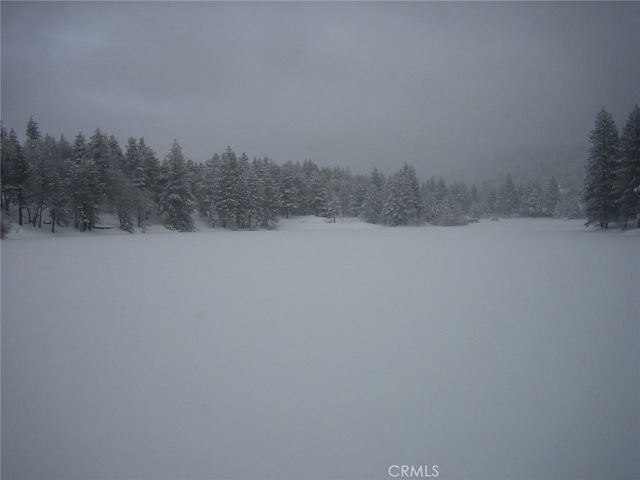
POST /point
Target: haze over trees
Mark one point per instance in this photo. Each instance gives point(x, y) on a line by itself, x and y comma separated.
point(57, 183)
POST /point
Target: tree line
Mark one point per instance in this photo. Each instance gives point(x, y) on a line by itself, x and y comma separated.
point(58, 183)
point(612, 182)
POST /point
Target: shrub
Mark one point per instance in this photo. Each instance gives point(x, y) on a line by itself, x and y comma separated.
point(5, 227)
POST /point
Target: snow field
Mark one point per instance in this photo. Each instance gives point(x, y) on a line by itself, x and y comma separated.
point(497, 350)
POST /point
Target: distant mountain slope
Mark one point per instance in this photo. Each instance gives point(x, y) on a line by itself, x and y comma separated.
point(526, 164)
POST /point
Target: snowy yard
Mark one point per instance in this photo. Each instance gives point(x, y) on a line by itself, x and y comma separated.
point(323, 351)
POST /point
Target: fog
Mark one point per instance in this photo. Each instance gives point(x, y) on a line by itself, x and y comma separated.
point(358, 85)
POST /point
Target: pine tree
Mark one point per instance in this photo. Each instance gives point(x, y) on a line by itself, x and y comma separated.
point(628, 175)
point(131, 165)
point(247, 210)
point(176, 199)
point(206, 192)
point(151, 178)
point(16, 173)
point(332, 206)
point(428, 193)
point(317, 193)
point(411, 187)
point(359, 190)
point(533, 200)
point(508, 198)
point(56, 197)
point(60, 204)
point(33, 137)
point(289, 195)
point(462, 197)
point(268, 194)
point(98, 153)
point(106, 155)
point(141, 168)
point(600, 181)
point(340, 187)
point(551, 197)
point(4, 167)
point(227, 192)
point(85, 186)
point(371, 209)
point(38, 185)
point(402, 202)
point(74, 178)
point(127, 200)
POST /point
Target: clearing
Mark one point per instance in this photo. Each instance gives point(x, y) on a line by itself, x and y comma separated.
point(498, 350)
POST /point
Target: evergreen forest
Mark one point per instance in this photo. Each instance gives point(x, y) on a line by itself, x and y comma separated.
point(48, 183)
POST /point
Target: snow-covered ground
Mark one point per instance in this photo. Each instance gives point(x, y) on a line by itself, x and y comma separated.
point(498, 350)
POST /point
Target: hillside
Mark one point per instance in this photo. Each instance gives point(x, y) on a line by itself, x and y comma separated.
point(566, 164)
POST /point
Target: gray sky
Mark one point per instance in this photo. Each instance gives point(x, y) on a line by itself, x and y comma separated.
point(350, 84)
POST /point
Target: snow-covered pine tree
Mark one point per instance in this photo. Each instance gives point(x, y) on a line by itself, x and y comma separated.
point(4, 167)
point(38, 180)
point(227, 183)
point(490, 197)
point(104, 154)
point(628, 175)
point(248, 189)
point(151, 169)
point(360, 185)
point(176, 199)
point(551, 197)
point(206, 191)
point(534, 199)
point(462, 196)
point(391, 208)
point(84, 184)
point(111, 157)
point(429, 201)
point(131, 165)
point(289, 194)
point(56, 199)
point(16, 173)
point(195, 172)
point(402, 203)
point(317, 193)
point(127, 199)
point(600, 181)
point(371, 209)
point(452, 206)
point(478, 206)
point(98, 150)
point(141, 168)
point(332, 206)
point(60, 205)
point(508, 198)
point(267, 194)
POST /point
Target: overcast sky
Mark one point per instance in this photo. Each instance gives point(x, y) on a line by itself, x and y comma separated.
point(352, 84)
